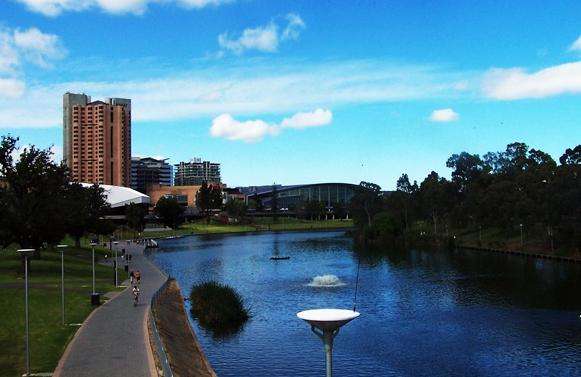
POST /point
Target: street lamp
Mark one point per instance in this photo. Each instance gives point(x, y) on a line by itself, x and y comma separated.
point(61, 249)
point(521, 238)
point(325, 323)
point(26, 253)
point(95, 297)
point(115, 264)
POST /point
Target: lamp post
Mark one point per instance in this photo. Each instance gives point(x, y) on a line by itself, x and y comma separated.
point(61, 249)
point(95, 297)
point(325, 323)
point(521, 237)
point(26, 253)
point(115, 264)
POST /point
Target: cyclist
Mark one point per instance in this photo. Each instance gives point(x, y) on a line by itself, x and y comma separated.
point(135, 277)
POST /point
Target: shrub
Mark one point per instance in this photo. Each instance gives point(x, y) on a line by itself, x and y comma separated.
point(218, 308)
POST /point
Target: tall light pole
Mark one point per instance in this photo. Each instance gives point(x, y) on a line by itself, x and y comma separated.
point(26, 253)
point(116, 279)
point(95, 298)
point(61, 249)
point(521, 237)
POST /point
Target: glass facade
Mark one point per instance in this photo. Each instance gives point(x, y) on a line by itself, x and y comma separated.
point(327, 193)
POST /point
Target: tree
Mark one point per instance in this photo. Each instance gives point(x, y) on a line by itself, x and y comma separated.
point(203, 200)
point(235, 208)
point(467, 168)
point(170, 212)
point(85, 207)
point(135, 216)
point(366, 203)
point(571, 156)
point(32, 200)
point(216, 200)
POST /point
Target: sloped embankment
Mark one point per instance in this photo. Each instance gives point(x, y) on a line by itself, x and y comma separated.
point(183, 351)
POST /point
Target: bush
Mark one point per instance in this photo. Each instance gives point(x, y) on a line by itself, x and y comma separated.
point(218, 308)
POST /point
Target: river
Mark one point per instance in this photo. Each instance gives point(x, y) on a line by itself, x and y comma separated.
point(423, 313)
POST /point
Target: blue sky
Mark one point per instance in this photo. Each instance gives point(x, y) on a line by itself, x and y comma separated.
point(301, 91)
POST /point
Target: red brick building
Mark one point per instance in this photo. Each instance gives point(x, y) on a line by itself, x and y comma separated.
point(97, 139)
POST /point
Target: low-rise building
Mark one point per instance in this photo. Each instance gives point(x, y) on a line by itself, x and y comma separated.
point(185, 195)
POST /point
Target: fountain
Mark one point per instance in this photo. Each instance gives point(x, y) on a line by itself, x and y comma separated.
point(325, 323)
point(326, 281)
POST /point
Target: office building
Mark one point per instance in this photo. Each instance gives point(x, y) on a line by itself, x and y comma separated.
point(97, 139)
point(196, 172)
point(147, 171)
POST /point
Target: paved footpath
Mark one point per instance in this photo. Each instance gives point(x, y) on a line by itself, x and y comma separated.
point(113, 340)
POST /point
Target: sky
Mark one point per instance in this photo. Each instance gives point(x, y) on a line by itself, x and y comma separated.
point(302, 91)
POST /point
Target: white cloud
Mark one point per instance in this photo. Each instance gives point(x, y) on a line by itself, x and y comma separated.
point(225, 126)
point(54, 8)
point(38, 47)
point(576, 46)
point(261, 87)
point(11, 88)
point(444, 115)
point(294, 27)
point(263, 38)
point(516, 83)
point(317, 118)
point(31, 45)
point(250, 131)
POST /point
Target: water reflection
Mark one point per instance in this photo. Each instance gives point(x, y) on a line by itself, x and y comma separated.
point(423, 312)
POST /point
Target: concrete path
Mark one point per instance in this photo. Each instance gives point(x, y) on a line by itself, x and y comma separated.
point(113, 340)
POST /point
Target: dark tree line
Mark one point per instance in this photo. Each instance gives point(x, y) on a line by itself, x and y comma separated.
point(499, 190)
point(38, 202)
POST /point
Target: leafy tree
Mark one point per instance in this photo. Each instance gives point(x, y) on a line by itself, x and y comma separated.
point(314, 209)
point(215, 197)
point(366, 203)
point(203, 200)
point(170, 212)
point(235, 208)
point(571, 156)
point(32, 200)
point(135, 216)
point(85, 207)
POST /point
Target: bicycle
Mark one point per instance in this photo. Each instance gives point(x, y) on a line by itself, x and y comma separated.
point(136, 293)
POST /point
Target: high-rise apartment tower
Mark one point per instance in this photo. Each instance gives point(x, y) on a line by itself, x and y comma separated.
point(196, 171)
point(97, 139)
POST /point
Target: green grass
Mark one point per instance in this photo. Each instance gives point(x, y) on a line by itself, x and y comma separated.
point(48, 338)
point(260, 224)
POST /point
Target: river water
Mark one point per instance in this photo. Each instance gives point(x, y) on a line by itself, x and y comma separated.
point(423, 313)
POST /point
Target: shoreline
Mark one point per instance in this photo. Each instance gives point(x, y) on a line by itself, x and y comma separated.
point(239, 232)
point(181, 349)
point(537, 255)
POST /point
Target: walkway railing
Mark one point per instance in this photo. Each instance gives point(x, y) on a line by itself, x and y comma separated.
point(160, 350)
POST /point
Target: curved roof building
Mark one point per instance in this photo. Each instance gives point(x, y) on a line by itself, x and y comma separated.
point(119, 196)
point(289, 196)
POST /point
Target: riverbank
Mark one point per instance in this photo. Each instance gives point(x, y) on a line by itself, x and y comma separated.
point(184, 353)
point(48, 337)
point(262, 225)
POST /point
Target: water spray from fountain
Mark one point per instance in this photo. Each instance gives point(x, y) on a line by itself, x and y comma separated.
point(326, 281)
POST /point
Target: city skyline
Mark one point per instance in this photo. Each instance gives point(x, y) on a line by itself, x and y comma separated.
point(280, 92)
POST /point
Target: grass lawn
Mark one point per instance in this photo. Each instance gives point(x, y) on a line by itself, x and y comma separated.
point(48, 338)
point(260, 224)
